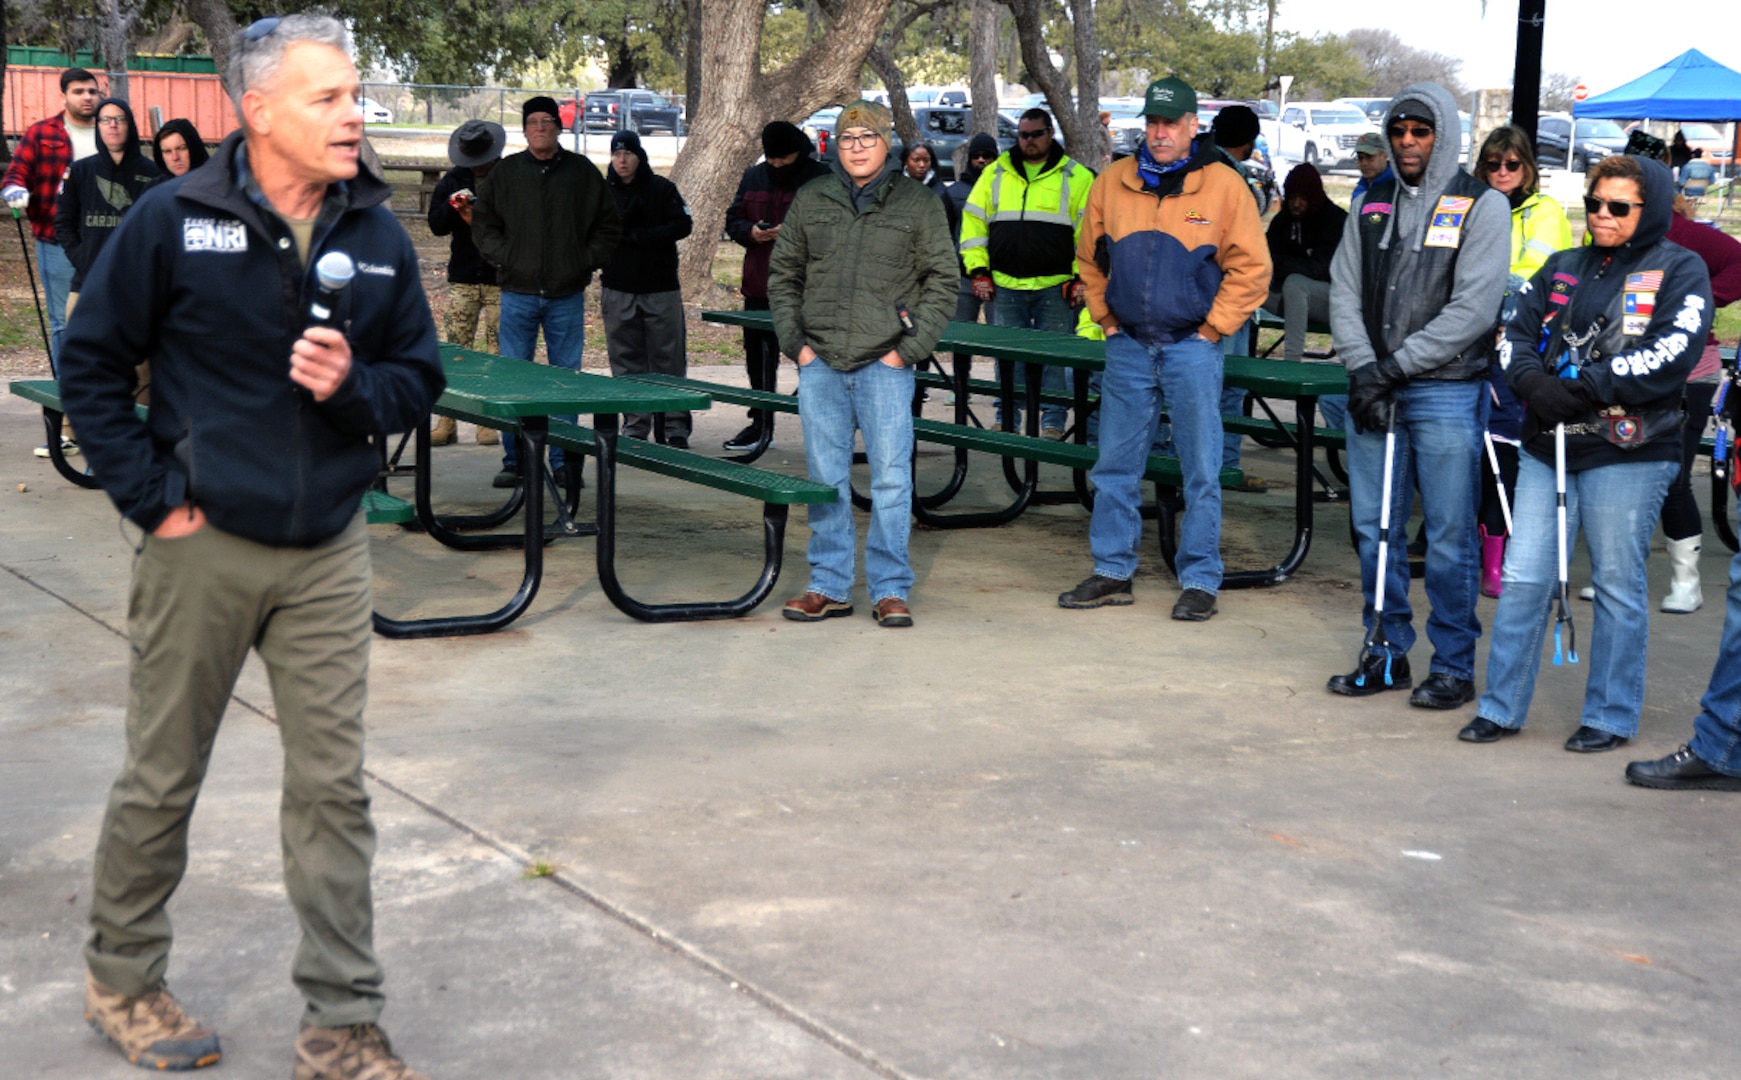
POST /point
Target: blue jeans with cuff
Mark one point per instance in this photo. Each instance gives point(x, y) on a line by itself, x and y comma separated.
point(564, 322)
point(877, 401)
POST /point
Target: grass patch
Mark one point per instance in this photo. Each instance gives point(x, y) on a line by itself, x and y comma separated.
point(538, 868)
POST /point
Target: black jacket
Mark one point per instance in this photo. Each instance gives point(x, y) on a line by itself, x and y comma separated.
point(204, 280)
point(654, 218)
point(464, 265)
point(1304, 245)
point(1645, 309)
point(545, 225)
point(96, 193)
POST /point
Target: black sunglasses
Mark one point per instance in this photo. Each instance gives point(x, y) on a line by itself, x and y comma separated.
point(1397, 131)
point(1619, 208)
point(1032, 134)
point(1508, 165)
point(261, 28)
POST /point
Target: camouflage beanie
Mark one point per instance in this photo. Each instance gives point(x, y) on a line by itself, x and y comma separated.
point(866, 114)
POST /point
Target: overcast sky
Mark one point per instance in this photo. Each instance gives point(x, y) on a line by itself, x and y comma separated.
point(1600, 42)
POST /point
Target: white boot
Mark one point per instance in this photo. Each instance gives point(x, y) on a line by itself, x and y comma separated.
point(1684, 595)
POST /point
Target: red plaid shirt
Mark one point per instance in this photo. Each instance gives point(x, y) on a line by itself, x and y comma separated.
point(39, 164)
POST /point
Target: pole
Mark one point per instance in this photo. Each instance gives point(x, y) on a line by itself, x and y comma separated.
point(1526, 79)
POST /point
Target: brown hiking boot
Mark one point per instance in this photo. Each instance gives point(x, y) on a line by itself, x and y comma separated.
point(443, 432)
point(151, 1030)
point(814, 607)
point(489, 436)
point(358, 1052)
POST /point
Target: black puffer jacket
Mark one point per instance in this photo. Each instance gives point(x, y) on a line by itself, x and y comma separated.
point(205, 282)
point(545, 225)
point(1642, 312)
point(97, 192)
point(654, 217)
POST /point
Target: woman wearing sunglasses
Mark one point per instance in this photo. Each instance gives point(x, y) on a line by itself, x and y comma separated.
point(1602, 341)
point(1539, 228)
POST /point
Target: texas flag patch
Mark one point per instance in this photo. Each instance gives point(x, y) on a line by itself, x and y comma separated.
point(1639, 304)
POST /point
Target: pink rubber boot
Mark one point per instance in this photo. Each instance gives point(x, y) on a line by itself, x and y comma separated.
point(1492, 563)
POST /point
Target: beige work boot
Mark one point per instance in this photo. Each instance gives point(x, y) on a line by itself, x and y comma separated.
point(442, 433)
point(151, 1030)
point(358, 1052)
point(489, 436)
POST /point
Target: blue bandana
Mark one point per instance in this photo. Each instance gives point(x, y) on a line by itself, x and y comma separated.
point(1151, 170)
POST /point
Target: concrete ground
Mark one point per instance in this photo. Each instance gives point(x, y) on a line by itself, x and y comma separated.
point(1011, 842)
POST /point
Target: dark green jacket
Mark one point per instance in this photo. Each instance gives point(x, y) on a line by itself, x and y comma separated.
point(545, 225)
point(839, 279)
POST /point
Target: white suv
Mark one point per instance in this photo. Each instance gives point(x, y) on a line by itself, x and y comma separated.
point(1321, 132)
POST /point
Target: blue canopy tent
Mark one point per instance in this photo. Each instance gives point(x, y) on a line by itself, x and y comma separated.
point(1692, 86)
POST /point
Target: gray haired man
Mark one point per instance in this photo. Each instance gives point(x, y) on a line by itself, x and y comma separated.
point(246, 480)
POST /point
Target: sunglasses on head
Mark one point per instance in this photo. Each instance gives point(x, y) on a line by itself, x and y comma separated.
point(1508, 165)
point(1031, 134)
point(261, 28)
point(1617, 208)
point(1419, 131)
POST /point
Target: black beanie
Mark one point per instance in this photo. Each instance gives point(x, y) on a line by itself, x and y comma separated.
point(628, 140)
point(1235, 125)
point(781, 138)
point(542, 104)
point(981, 144)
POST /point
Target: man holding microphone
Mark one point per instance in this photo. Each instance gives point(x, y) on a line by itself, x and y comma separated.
point(246, 482)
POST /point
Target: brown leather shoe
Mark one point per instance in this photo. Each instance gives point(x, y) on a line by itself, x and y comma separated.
point(360, 1052)
point(814, 607)
point(892, 611)
point(151, 1030)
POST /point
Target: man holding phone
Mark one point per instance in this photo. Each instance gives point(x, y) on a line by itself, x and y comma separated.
point(472, 294)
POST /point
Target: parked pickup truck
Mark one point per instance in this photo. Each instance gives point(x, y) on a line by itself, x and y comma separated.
point(634, 110)
point(1320, 132)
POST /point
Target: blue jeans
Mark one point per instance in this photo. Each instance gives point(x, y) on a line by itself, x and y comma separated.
point(564, 323)
point(1438, 449)
point(1616, 507)
point(969, 306)
point(1137, 377)
point(1233, 397)
point(1038, 309)
point(57, 281)
point(1717, 731)
point(1334, 409)
point(877, 401)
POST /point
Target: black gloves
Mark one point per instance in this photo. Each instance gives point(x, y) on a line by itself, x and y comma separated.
point(1554, 400)
point(1369, 388)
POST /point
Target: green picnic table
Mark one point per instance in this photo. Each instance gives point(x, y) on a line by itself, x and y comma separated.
point(1302, 383)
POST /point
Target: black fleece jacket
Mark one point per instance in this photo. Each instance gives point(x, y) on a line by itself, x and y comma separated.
point(654, 218)
point(203, 279)
point(545, 225)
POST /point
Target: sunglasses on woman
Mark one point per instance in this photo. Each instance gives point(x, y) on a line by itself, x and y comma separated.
point(1508, 165)
point(1617, 208)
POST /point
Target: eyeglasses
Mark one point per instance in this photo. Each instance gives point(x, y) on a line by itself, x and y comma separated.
point(112, 121)
point(261, 28)
point(1031, 135)
point(853, 142)
point(1508, 165)
point(1419, 131)
point(1617, 208)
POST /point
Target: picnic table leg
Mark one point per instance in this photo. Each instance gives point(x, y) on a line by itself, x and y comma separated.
point(51, 421)
point(962, 371)
point(532, 434)
point(1304, 470)
point(1041, 497)
point(773, 547)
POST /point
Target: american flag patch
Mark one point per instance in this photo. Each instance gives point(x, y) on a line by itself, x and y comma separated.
point(1647, 281)
point(1455, 204)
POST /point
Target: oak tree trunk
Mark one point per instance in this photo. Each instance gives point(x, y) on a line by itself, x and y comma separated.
point(906, 127)
point(982, 67)
point(1083, 139)
point(741, 99)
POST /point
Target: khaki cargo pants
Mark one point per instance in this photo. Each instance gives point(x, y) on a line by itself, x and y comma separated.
point(197, 605)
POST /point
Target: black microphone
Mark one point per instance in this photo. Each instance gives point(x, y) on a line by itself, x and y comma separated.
point(332, 276)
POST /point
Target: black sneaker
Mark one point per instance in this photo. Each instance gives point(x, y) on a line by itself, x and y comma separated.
point(1377, 673)
point(1194, 605)
point(677, 442)
point(1096, 592)
point(1680, 771)
point(1442, 691)
point(507, 478)
point(745, 440)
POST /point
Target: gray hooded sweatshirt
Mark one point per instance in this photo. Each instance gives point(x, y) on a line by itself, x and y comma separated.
point(1448, 325)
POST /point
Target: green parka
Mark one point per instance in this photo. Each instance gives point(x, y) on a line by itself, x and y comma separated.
point(840, 278)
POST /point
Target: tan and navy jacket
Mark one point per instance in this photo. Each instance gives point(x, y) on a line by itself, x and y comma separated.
point(1161, 268)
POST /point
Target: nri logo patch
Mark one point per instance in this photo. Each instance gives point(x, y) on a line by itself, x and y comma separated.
point(213, 234)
